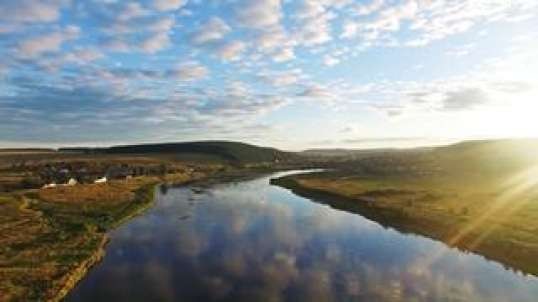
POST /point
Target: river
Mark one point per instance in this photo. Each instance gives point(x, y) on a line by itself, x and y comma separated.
point(251, 241)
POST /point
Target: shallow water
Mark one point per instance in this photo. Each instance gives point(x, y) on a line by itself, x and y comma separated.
point(250, 241)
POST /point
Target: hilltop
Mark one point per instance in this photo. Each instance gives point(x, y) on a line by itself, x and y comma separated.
point(223, 150)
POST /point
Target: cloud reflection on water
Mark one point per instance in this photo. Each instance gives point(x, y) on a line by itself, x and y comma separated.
point(255, 242)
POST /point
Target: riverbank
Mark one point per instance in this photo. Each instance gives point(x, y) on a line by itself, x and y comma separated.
point(52, 237)
point(488, 217)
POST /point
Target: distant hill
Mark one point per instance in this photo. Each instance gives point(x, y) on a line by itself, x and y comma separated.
point(485, 157)
point(490, 154)
point(26, 150)
point(334, 152)
point(358, 153)
point(501, 147)
point(225, 150)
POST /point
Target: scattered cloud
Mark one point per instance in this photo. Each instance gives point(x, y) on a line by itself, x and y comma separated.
point(168, 5)
point(191, 71)
point(213, 30)
point(48, 42)
point(329, 60)
point(317, 92)
point(282, 78)
point(29, 11)
point(283, 55)
point(314, 23)
point(241, 60)
point(155, 43)
point(261, 14)
point(463, 99)
point(231, 51)
point(425, 22)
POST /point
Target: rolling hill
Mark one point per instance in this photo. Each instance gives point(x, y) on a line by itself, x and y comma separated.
point(224, 150)
point(481, 157)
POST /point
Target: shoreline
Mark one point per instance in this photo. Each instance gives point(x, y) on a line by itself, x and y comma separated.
point(148, 201)
point(75, 276)
point(510, 257)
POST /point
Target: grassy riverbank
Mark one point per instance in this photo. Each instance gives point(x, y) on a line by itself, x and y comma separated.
point(51, 238)
point(496, 217)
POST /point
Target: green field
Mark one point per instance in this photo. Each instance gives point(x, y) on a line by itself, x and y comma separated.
point(480, 197)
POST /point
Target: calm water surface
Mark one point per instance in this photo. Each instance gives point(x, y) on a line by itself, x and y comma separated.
point(250, 241)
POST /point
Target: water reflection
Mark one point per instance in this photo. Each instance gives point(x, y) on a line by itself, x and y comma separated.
point(250, 241)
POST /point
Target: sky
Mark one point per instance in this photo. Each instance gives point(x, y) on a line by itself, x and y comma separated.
point(293, 74)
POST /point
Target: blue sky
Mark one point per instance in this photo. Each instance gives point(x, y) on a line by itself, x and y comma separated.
point(291, 74)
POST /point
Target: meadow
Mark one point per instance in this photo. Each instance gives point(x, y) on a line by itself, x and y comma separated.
point(482, 202)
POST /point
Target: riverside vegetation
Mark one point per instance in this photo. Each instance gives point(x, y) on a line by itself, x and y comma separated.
point(51, 237)
point(478, 196)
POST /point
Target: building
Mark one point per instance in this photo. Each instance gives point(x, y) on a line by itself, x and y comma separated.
point(49, 186)
point(72, 182)
point(101, 180)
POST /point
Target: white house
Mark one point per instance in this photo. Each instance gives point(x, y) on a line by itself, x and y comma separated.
point(71, 182)
point(49, 186)
point(101, 180)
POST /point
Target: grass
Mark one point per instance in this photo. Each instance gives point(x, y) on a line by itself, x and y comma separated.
point(493, 216)
point(50, 238)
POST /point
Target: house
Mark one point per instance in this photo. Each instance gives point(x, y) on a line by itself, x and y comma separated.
point(72, 182)
point(117, 172)
point(49, 186)
point(101, 180)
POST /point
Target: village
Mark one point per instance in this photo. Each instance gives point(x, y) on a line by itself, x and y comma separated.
point(47, 174)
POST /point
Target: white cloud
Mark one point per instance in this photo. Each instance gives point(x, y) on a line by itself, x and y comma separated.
point(282, 78)
point(191, 71)
point(427, 21)
point(155, 43)
point(310, 9)
point(314, 23)
point(116, 45)
point(213, 30)
point(162, 24)
point(50, 42)
point(317, 92)
point(272, 39)
point(330, 60)
point(390, 18)
point(168, 5)
point(367, 9)
point(231, 51)
point(283, 55)
point(260, 14)
point(349, 29)
point(84, 56)
point(132, 10)
point(31, 11)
